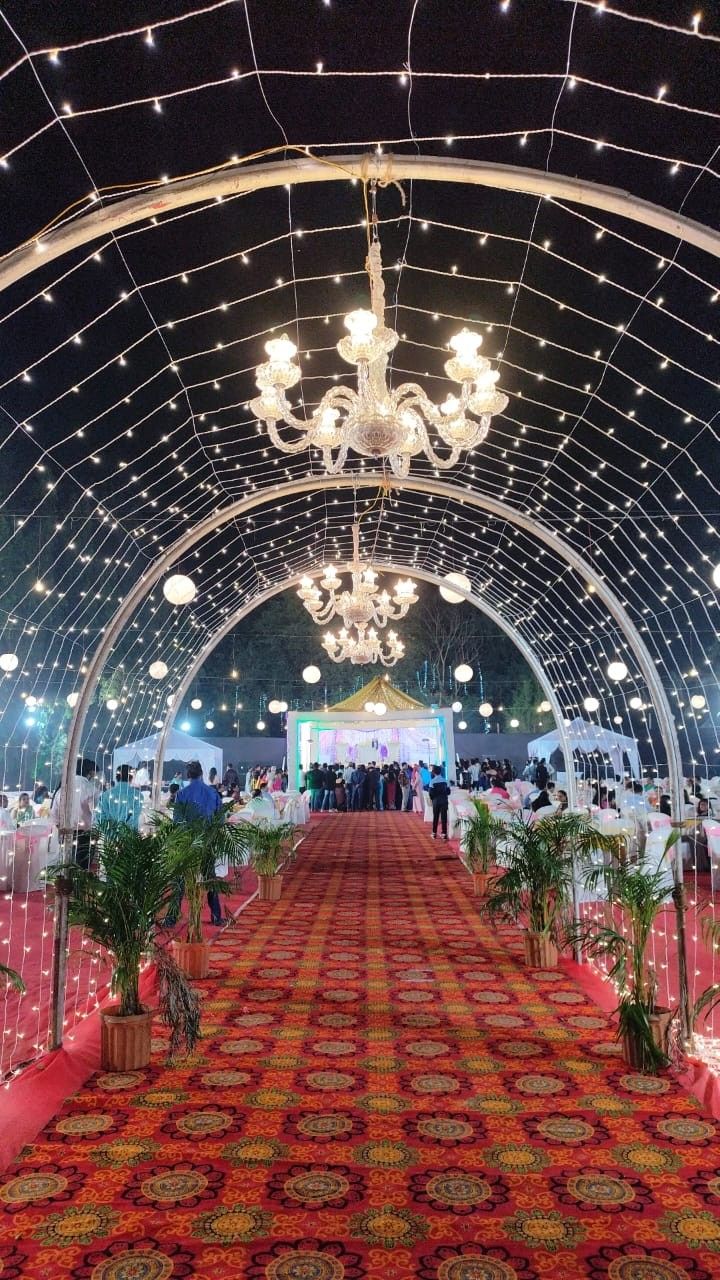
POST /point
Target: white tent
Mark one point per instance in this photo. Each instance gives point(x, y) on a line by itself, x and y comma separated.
point(587, 737)
point(180, 746)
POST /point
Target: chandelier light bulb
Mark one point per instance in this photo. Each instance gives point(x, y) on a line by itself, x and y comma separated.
point(360, 325)
point(485, 709)
point(465, 344)
point(463, 673)
point(281, 350)
point(617, 670)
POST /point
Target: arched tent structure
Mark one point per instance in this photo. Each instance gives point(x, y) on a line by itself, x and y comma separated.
point(581, 735)
point(178, 746)
point(150, 267)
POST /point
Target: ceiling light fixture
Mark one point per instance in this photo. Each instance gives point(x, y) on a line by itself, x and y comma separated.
point(364, 647)
point(364, 603)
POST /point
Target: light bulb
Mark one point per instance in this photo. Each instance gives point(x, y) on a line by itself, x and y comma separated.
point(9, 661)
point(636, 703)
point(72, 699)
point(462, 725)
point(716, 575)
point(369, 706)
point(158, 670)
point(179, 589)
point(544, 706)
point(112, 704)
point(514, 724)
point(274, 706)
point(485, 709)
point(456, 706)
point(360, 325)
point(450, 406)
point(209, 724)
point(617, 670)
point(281, 349)
point(379, 708)
point(459, 580)
point(311, 674)
point(697, 701)
point(260, 725)
point(465, 345)
point(591, 704)
point(463, 673)
point(196, 704)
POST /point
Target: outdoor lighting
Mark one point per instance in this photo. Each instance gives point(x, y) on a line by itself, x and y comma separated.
point(72, 699)
point(463, 673)
point(274, 706)
point(716, 575)
point(697, 701)
point(209, 724)
point(9, 661)
point(179, 589)
point(591, 704)
point(485, 709)
point(364, 603)
point(31, 701)
point(260, 725)
point(365, 646)
point(458, 580)
point(369, 707)
point(617, 670)
point(514, 724)
point(112, 704)
point(544, 706)
point(374, 420)
point(170, 699)
point(457, 706)
point(311, 674)
point(283, 707)
point(196, 704)
point(158, 670)
point(617, 719)
point(636, 703)
point(379, 708)
point(462, 724)
point(185, 726)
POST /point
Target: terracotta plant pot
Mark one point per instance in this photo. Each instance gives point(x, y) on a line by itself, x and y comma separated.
point(124, 1042)
point(193, 958)
point(270, 888)
point(632, 1046)
point(481, 879)
point(540, 951)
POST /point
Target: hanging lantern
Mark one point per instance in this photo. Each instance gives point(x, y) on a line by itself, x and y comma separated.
point(9, 661)
point(636, 703)
point(617, 670)
point(485, 709)
point(456, 706)
point(72, 699)
point(260, 725)
point(312, 674)
point(514, 724)
point(283, 707)
point(209, 724)
point(158, 670)
point(591, 704)
point(112, 704)
point(462, 724)
point(544, 706)
point(458, 580)
point(179, 589)
point(716, 575)
point(697, 701)
point(170, 699)
point(196, 704)
point(275, 706)
point(369, 707)
point(463, 673)
point(379, 708)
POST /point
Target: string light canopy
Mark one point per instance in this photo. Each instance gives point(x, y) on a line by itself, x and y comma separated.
point(376, 421)
point(364, 603)
point(362, 646)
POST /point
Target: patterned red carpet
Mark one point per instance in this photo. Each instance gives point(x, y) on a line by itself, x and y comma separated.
point(383, 1091)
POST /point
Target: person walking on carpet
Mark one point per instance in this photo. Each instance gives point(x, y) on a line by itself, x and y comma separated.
point(439, 793)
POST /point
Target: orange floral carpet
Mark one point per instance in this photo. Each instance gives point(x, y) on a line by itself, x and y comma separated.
point(383, 1090)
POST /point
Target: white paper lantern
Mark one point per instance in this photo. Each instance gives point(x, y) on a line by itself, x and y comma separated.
point(9, 661)
point(112, 704)
point(72, 699)
point(196, 704)
point(179, 589)
point(545, 706)
point(260, 725)
point(312, 674)
point(274, 706)
point(617, 719)
point(514, 724)
point(617, 670)
point(716, 575)
point(170, 699)
point(591, 704)
point(463, 673)
point(457, 706)
point(369, 707)
point(697, 701)
point(209, 724)
point(636, 703)
point(31, 700)
point(462, 724)
point(485, 709)
point(458, 580)
point(283, 708)
point(158, 670)
point(157, 724)
point(379, 708)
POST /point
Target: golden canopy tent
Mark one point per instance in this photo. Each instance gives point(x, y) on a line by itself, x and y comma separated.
point(377, 722)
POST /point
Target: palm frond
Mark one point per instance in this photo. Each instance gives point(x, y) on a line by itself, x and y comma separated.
point(13, 979)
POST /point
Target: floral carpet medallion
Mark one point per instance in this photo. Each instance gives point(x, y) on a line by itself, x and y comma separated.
point(383, 1091)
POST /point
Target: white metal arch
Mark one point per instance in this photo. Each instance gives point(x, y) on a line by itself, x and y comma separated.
point(371, 480)
point(249, 607)
point(236, 179)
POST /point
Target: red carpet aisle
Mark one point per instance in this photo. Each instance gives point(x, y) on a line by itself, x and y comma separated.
point(383, 1091)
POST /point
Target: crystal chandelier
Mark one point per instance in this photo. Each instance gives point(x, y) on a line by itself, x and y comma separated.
point(375, 420)
point(361, 605)
point(364, 647)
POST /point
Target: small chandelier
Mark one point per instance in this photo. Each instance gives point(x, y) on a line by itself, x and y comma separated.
point(364, 603)
point(375, 421)
point(364, 647)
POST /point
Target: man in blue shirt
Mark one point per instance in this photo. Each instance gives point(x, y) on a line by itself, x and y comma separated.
point(123, 802)
point(196, 800)
point(425, 775)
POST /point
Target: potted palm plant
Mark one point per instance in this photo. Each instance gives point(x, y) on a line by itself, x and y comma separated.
point(12, 979)
point(197, 845)
point(636, 892)
point(120, 910)
point(536, 883)
point(268, 850)
point(481, 834)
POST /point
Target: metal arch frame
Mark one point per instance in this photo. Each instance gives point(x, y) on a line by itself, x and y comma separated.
point(241, 179)
point(374, 480)
point(427, 576)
